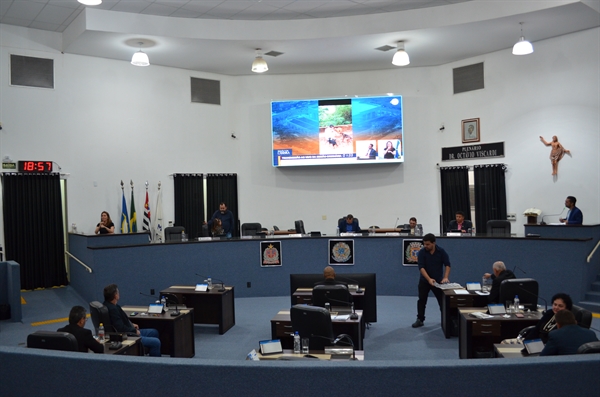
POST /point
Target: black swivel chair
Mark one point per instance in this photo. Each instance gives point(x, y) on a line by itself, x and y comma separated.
point(173, 233)
point(588, 348)
point(498, 228)
point(313, 322)
point(99, 314)
point(275, 228)
point(204, 232)
point(526, 288)
point(251, 229)
point(53, 341)
point(299, 227)
point(335, 295)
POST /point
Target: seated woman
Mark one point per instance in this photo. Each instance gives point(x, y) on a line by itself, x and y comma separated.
point(106, 226)
point(547, 323)
point(217, 228)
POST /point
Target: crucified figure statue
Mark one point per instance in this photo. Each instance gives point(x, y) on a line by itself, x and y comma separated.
point(557, 153)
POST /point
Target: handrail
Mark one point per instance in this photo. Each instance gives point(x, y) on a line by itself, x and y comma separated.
point(89, 269)
point(589, 258)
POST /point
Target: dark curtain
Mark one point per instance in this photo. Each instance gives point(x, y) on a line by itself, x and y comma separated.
point(490, 194)
point(223, 188)
point(33, 228)
point(455, 194)
point(189, 203)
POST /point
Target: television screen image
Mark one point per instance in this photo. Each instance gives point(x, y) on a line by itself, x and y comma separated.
point(337, 131)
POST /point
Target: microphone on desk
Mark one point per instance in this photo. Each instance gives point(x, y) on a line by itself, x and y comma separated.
point(543, 223)
point(341, 337)
point(396, 224)
point(353, 315)
point(358, 290)
point(222, 289)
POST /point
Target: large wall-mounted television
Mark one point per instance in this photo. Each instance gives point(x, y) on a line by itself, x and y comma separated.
point(335, 131)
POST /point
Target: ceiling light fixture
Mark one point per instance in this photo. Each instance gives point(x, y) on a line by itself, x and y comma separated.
point(400, 57)
point(259, 65)
point(522, 47)
point(140, 58)
point(90, 2)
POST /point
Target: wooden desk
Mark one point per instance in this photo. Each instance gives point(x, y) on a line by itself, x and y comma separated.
point(210, 307)
point(478, 336)
point(303, 296)
point(130, 347)
point(450, 305)
point(289, 353)
point(176, 333)
point(281, 328)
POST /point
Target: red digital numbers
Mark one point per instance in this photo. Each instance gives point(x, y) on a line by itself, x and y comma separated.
point(35, 166)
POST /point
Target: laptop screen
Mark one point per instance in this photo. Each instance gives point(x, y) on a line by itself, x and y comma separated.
point(534, 346)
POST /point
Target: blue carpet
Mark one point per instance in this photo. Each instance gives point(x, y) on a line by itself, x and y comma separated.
point(390, 338)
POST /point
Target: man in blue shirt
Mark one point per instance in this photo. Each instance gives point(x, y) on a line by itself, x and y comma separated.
point(568, 336)
point(574, 216)
point(226, 218)
point(432, 261)
point(349, 224)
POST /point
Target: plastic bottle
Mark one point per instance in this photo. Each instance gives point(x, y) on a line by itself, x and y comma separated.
point(101, 333)
point(163, 302)
point(296, 343)
point(209, 282)
point(183, 236)
point(516, 304)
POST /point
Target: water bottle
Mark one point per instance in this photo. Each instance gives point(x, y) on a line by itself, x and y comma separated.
point(419, 230)
point(296, 343)
point(163, 302)
point(209, 282)
point(337, 231)
point(101, 333)
point(484, 284)
point(516, 304)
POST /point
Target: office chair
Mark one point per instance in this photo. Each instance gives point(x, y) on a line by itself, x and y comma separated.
point(251, 229)
point(374, 227)
point(275, 228)
point(499, 228)
point(313, 322)
point(526, 288)
point(335, 295)
point(299, 227)
point(171, 299)
point(204, 232)
point(52, 341)
point(173, 233)
point(588, 348)
point(99, 314)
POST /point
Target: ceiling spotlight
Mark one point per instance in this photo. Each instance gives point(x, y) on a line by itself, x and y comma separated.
point(259, 65)
point(400, 57)
point(90, 2)
point(522, 47)
point(140, 58)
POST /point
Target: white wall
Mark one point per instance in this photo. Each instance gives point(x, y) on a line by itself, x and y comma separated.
point(108, 121)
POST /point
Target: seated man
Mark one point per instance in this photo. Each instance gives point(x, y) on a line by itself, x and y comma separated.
point(412, 225)
point(460, 223)
point(85, 339)
point(121, 322)
point(329, 275)
point(500, 273)
point(349, 225)
point(568, 336)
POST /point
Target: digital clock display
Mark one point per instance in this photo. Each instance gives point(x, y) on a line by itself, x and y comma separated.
point(35, 166)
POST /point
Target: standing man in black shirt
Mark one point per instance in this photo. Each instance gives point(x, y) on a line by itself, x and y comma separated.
point(432, 261)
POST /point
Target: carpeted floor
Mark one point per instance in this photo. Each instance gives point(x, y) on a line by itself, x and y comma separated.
point(390, 338)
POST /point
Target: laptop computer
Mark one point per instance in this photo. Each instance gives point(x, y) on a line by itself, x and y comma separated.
point(533, 346)
point(496, 308)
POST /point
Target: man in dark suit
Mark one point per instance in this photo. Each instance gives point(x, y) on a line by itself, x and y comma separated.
point(500, 273)
point(568, 336)
point(349, 225)
point(371, 153)
point(329, 275)
point(460, 223)
point(121, 322)
point(85, 340)
point(574, 216)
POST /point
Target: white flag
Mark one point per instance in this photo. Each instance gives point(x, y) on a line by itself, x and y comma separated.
point(157, 228)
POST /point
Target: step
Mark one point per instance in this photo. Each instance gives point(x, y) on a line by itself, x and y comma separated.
point(594, 307)
point(595, 286)
point(592, 296)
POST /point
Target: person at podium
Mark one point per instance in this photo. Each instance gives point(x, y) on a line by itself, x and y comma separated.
point(106, 225)
point(349, 224)
point(434, 267)
point(498, 275)
point(329, 275)
point(226, 218)
point(574, 216)
point(460, 223)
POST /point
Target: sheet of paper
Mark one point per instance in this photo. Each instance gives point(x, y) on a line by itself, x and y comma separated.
point(461, 292)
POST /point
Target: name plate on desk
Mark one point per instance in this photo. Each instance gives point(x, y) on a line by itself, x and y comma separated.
point(345, 234)
point(204, 238)
point(394, 234)
point(454, 234)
